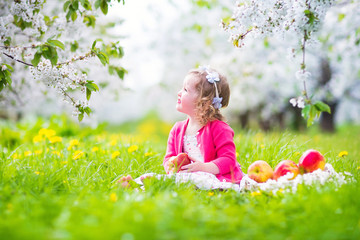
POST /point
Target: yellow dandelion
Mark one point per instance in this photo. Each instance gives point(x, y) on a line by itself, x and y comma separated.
point(211, 194)
point(50, 133)
point(237, 155)
point(56, 153)
point(113, 142)
point(147, 128)
point(27, 153)
point(95, 149)
point(16, 156)
point(115, 154)
point(65, 181)
point(254, 194)
point(262, 146)
point(55, 139)
point(42, 131)
point(148, 154)
point(113, 197)
point(358, 168)
point(64, 162)
point(37, 172)
point(37, 138)
point(133, 148)
point(73, 143)
point(77, 154)
point(343, 154)
point(38, 152)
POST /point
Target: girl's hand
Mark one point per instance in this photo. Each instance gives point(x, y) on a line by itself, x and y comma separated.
point(169, 165)
point(200, 166)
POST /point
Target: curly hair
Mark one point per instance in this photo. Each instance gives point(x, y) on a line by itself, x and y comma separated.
point(206, 112)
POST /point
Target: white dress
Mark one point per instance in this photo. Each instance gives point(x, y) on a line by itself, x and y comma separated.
point(202, 180)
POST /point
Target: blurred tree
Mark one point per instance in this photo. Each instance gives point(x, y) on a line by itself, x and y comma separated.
point(46, 44)
point(333, 24)
point(265, 73)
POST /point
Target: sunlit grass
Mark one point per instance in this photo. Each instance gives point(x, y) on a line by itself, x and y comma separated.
point(59, 181)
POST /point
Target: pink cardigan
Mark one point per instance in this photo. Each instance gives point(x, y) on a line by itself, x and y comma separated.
point(216, 145)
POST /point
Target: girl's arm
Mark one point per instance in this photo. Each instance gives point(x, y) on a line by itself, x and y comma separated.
point(170, 149)
point(200, 166)
point(223, 137)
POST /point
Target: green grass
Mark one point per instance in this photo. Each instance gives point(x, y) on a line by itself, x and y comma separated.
point(48, 194)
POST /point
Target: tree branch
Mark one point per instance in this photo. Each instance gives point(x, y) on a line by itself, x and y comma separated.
point(28, 64)
point(303, 65)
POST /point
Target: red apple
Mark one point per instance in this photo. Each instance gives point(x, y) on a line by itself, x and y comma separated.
point(285, 167)
point(310, 161)
point(260, 171)
point(177, 162)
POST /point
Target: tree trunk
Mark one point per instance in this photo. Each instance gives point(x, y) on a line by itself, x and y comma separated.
point(327, 121)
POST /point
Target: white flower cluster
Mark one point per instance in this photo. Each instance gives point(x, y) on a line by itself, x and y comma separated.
point(25, 9)
point(4, 30)
point(62, 78)
point(299, 101)
point(275, 18)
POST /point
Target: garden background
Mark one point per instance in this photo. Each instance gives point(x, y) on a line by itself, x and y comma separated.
point(58, 175)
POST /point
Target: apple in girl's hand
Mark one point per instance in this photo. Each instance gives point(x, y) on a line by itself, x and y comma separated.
point(285, 167)
point(177, 162)
point(310, 161)
point(260, 171)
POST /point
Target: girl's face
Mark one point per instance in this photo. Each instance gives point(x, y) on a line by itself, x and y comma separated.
point(188, 96)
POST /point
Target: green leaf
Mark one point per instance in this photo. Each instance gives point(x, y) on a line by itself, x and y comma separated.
point(68, 15)
point(66, 5)
point(92, 87)
point(7, 42)
point(74, 46)
point(341, 16)
point(80, 116)
point(88, 111)
point(97, 4)
point(75, 4)
point(73, 16)
point(90, 20)
point(54, 58)
point(95, 86)
point(56, 43)
point(8, 77)
point(9, 67)
point(103, 58)
point(49, 52)
point(36, 59)
point(312, 115)
point(104, 7)
point(86, 4)
point(322, 107)
point(88, 94)
point(305, 111)
point(94, 44)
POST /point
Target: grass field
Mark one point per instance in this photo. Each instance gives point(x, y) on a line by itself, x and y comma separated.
point(58, 181)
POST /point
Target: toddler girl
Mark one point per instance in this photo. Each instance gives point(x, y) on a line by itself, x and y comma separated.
point(203, 136)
